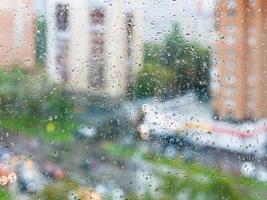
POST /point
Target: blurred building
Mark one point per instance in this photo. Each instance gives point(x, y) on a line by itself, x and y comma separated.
point(241, 87)
point(95, 46)
point(17, 33)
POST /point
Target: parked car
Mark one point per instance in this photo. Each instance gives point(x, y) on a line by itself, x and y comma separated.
point(85, 132)
point(106, 124)
point(53, 170)
point(30, 179)
point(5, 155)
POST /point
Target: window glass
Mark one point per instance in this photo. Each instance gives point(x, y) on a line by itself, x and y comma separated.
point(97, 60)
point(62, 16)
point(133, 100)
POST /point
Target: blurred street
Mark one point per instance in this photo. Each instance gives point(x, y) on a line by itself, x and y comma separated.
point(87, 161)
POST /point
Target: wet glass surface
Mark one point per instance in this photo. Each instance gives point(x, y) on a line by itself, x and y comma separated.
point(131, 99)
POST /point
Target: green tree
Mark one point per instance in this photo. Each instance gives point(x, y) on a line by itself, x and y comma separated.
point(202, 72)
point(152, 52)
point(154, 80)
point(188, 61)
point(175, 48)
point(191, 62)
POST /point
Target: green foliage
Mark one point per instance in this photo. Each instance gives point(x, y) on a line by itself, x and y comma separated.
point(31, 95)
point(4, 195)
point(154, 80)
point(188, 61)
point(28, 102)
point(195, 184)
point(41, 38)
point(152, 52)
point(175, 48)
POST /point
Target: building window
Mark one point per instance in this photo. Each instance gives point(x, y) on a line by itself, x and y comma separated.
point(230, 40)
point(61, 58)
point(129, 28)
point(129, 42)
point(19, 25)
point(252, 41)
point(231, 8)
point(230, 65)
point(230, 79)
point(231, 4)
point(231, 28)
point(230, 92)
point(97, 17)
point(252, 3)
point(96, 60)
point(229, 102)
point(231, 52)
point(62, 15)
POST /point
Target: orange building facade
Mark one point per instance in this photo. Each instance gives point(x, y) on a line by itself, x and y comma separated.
point(241, 91)
point(17, 34)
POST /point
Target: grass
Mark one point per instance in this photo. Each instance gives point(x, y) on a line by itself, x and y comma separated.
point(220, 185)
point(4, 195)
point(58, 130)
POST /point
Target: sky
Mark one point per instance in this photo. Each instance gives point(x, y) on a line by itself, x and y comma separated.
point(196, 24)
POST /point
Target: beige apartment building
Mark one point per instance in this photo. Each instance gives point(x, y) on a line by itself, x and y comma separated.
point(95, 46)
point(17, 34)
point(241, 87)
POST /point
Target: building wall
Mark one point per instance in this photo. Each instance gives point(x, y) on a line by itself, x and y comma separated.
point(241, 63)
point(88, 41)
point(17, 33)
